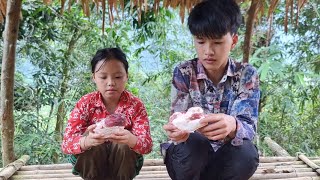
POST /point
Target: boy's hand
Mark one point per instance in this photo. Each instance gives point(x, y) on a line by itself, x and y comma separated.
point(219, 126)
point(123, 136)
point(175, 134)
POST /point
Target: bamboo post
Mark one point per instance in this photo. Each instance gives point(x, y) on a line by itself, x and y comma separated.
point(275, 147)
point(11, 168)
point(306, 160)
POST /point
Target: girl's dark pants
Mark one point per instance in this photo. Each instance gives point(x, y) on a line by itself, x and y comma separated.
point(108, 161)
point(196, 160)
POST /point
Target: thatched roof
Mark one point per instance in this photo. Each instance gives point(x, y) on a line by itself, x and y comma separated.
point(257, 10)
point(109, 6)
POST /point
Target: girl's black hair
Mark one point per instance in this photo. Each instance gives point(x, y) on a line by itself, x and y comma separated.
point(107, 54)
point(214, 18)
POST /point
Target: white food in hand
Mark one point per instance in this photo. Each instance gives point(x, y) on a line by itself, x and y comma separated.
point(189, 121)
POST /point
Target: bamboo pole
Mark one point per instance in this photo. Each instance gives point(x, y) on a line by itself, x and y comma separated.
point(11, 168)
point(61, 178)
point(282, 170)
point(56, 171)
point(43, 176)
point(298, 178)
point(283, 175)
point(309, 163)
point(285, 163)
point(276, 159)
point(275, 147)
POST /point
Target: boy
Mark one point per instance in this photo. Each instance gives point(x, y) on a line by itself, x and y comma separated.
point(226, 90)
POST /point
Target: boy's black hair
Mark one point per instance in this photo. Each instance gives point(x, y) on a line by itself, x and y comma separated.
point(214, 18)
point(109, 54)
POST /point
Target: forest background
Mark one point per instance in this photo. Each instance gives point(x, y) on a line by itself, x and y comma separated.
point(53, 72)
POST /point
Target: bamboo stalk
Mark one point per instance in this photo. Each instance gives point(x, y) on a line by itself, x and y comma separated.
point(286, 163)
point(163, 178)
point(61, 178)
point(155, 178)
point(282, 170)
point(151, 176)
point(283, 175)
point(276, 159)
point(11, 168)
point(155, 172)
point(43, 176)
point(300, 178)
point(45, 167)
point(275, 166)
point(152, 162)
point(275, 147)
point(153, 168)
point(56, 171)
point(310, 163)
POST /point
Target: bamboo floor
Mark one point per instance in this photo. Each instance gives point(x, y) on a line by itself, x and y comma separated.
point(280, 168)
point(283, 166)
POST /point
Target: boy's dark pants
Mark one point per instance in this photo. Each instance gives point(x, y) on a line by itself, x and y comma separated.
point(107, 161)
point(196, 160)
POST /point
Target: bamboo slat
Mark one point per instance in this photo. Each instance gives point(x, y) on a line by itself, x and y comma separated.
point(299, 178)
point(283, 175)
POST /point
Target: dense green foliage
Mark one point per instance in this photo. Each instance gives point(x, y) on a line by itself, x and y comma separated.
point(54, 51)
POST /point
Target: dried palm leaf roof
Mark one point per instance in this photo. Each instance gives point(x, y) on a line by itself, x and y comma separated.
point(184, 5)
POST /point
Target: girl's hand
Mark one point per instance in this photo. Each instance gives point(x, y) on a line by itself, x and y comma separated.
point(91, 138)
point(123, 136)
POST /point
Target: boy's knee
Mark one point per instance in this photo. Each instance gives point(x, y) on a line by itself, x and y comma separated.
point(241, 161)
point(187, 159)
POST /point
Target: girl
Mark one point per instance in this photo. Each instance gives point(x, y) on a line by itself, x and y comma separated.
point(114, 157)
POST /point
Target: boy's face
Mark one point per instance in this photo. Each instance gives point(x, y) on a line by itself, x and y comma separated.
point(110, 79)
point(213, 53)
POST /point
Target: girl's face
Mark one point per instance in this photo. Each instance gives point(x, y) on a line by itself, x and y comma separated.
point(111, 79)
